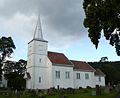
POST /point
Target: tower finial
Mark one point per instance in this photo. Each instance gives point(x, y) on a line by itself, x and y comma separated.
point(38, 29)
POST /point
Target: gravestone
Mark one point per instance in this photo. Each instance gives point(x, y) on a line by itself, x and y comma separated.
point(98, 90)
point(17, 94)
point(58, 87)
point(107, 90)
point(118, 88)
point(93, 93)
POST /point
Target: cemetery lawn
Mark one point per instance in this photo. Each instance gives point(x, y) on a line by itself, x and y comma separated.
point(113, 94)
point(84, 93)
point(69, 96)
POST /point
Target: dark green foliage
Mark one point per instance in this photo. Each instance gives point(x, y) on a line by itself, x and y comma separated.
point(103, 59)
point(33, 93)
point(110, 69)
point(103, 15)
point(83, 93)
point(14, 73)
point(70, 90)
point(6, 49)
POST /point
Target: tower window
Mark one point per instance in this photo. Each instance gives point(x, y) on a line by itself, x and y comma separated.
point(40, 60)
point(39, 79)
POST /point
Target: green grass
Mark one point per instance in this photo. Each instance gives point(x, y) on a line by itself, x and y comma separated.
point(83, 93)
point(86, 95)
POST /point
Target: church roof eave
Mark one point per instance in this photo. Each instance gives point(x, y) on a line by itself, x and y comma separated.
point(38, 40)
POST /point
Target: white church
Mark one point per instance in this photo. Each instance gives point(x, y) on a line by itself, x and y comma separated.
point(47, 69)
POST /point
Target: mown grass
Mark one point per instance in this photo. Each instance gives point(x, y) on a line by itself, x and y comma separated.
point(83, 93)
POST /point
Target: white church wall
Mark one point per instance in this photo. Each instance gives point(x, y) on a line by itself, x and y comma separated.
point(29, 82)
point(37, 47)
point(40, 47)
point(100, 80)
point(42, 78)
point(37, 65)
point(49, 64)
point(62, 81)
point(82, 81)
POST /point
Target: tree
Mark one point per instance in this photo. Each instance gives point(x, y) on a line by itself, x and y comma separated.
point(103, 59)
point(14, 74)
point(110, 69)
point(6, 49)
point(103, 15)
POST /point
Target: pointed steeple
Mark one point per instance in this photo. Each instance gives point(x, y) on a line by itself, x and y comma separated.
point(38, 30)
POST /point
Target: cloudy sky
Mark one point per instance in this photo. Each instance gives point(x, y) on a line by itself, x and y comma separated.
point(62, 26)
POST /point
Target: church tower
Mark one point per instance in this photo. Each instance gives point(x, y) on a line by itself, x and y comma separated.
point(37, 68)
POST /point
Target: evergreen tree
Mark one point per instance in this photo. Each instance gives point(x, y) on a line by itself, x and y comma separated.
point(103, 15)
point(6, 49)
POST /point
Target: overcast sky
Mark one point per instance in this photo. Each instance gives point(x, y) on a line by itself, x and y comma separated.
point(62, 26)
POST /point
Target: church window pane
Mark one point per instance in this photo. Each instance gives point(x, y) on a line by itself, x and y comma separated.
point(86, 76)
point(78, 75)
point(57, 74)
point(99, 78)
point(39, 79)
point(40, 60)
point(67, 75)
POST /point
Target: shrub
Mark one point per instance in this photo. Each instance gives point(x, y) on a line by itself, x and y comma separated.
point(88, 87)
point(63, 96)
point(85, 91)
point(80, 88)
point(33, 93)
point(3, 88)
point(70, 90)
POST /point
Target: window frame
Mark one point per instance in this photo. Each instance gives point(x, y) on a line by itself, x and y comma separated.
point(57, 74)
point(67, 75)
point(40, 60)
point(99, 79)
point(86, 76)
point(77, 75)
point(39, 80)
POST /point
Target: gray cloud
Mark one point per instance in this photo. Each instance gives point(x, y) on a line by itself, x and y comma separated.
point(62, 20)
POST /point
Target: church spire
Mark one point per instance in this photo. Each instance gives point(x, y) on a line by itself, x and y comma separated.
point(38, 30)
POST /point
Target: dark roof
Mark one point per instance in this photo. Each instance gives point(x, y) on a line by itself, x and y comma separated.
point(98, 72)
point(58, 58)
point(80, 65)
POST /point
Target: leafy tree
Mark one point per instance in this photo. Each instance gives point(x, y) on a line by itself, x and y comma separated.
point(14, 73)
point(6, 49)
point(110, 69)
point(103, 15)
point(103, 59)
